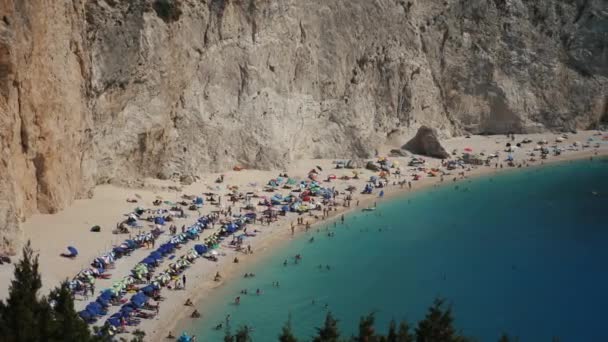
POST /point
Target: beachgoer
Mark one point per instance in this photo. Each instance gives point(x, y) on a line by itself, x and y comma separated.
point(285, 263)
point(195, 314)
point(236, 260)
point(237, 300)
point(184, 280)
point(188, 302)
point(170, 336)
point(258, 292)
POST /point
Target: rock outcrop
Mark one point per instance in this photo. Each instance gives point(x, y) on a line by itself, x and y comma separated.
point(95, 91)
point(426, 143)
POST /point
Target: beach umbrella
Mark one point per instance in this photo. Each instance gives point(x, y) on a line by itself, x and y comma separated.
point(73, 250)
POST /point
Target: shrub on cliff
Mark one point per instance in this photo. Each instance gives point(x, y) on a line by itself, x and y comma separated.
point(168, 10)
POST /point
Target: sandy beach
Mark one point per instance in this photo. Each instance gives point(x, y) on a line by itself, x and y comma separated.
point(51, 234)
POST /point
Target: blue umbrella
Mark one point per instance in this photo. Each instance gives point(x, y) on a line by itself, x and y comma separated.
point(200, 249)
point(114, 321)
point(73, 250)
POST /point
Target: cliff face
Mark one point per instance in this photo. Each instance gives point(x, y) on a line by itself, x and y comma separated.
point(44, 114)
point(101, 90)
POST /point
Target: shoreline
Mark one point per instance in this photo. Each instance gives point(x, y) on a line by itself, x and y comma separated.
point(181, 317)
point(51, 233)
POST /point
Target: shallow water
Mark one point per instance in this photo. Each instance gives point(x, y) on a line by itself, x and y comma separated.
point(523, 252)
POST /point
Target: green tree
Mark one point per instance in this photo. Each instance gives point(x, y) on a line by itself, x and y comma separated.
point(366, 329)
point(287, 333)
point(391, 336)
point(243, 334)
point(67, 326)
point(227, 334)
point(329, 332)
point(404, 334)
point(139, 336)
point(437, 325)
point(24, 317)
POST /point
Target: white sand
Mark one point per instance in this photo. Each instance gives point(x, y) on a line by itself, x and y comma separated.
point(50, 234)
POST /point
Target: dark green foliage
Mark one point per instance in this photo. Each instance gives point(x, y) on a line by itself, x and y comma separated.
point(329, 332)
point(25, 317)
point(139, 336)
point(168, 10)
point(392, 332)
point(286, 333)
point(67, 326)
point(366, 329)
point(242, 334)
point(437, 326)
point(404, 334)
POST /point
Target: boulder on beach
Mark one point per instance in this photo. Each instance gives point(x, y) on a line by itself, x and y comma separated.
point(426, 143)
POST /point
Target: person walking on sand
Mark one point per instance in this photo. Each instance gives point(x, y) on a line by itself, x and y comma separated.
point(184, 281)
point(342, 218)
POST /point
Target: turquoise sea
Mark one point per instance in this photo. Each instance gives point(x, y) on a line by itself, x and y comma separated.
point(523, 252)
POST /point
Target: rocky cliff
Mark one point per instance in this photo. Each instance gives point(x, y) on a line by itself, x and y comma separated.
point(96, 91)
